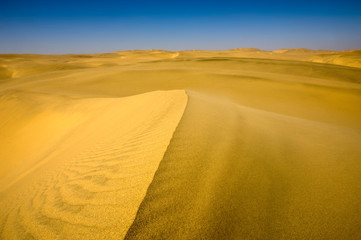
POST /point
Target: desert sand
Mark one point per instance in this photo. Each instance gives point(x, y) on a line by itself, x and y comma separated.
point(154, 144)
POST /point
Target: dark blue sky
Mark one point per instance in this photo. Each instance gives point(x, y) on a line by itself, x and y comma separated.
point(107, 26)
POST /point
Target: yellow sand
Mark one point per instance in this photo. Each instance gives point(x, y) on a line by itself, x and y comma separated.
point(268, 146)
point(253, 175)
point(78, 169)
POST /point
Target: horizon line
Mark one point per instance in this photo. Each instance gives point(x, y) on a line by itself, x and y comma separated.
point(156, 49)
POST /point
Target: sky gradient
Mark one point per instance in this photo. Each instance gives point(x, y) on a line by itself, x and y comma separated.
point(57, 27)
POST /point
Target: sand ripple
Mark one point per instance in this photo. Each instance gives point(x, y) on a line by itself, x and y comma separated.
point(91, 183)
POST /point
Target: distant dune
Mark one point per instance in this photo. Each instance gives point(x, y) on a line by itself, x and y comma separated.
point(154, 144)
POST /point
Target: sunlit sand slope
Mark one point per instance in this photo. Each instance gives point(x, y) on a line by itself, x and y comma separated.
point(268, 146)
point(79, 168)
point(233, 172)
point(315, 91)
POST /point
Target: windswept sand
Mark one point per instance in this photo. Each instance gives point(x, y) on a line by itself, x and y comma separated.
point(238, 144)
point(79, 169)
point(253, 175)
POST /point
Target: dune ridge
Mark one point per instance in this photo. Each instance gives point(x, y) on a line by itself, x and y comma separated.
point(253, 175)
point(262, 145)
point(89, 182)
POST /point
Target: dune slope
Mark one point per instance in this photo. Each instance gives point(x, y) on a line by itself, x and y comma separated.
point(314, 91)
point(79, 168)
point(267, 147)
point(233, 172)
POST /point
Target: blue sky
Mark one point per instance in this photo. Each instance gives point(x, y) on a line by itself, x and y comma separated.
point(107, 26)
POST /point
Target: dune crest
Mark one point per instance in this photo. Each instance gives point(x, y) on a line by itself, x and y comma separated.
point(267, 147)
point(234, 172)
point(86, 164)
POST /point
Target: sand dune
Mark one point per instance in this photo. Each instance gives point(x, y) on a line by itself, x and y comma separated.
point(238, 144)
point(78, 169)
point(253, 175)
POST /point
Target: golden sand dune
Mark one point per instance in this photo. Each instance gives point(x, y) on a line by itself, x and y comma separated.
point(346, 58)
point(253, 175)
point(265, 146)
point(78, 169)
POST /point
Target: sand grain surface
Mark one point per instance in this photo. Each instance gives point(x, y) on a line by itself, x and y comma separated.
point(79, 169)
point(154, 144)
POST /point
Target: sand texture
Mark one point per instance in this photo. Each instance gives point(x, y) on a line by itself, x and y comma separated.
point(153, 144)
point(80, 169)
